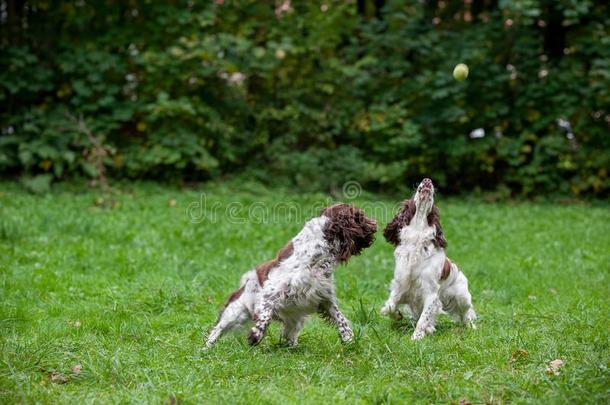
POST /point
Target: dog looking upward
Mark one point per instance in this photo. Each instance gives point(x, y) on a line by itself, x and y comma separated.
point(425, 281)
point(299, 281)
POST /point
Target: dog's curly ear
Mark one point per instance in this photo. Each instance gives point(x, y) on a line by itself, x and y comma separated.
point(349, 228)
point(403, 218)
point(364, 232)
point(434, 219)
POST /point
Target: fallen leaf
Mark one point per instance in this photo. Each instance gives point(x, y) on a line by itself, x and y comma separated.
point(557, 363)
point(517, 355)
point(58, 378)
point(554, 366)
point(172, 202)
point(76, 369)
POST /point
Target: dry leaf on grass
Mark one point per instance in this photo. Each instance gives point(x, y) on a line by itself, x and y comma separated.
point(58, 378)
point(554, 366)
point(517, 355)
point(172, 202)
point(76, 369)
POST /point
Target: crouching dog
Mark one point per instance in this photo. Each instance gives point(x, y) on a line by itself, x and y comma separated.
point(299, 281)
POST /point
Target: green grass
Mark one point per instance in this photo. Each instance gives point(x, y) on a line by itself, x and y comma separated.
point(127, 288)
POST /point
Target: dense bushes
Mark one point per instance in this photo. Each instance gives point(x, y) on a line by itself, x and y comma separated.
point(310, 93)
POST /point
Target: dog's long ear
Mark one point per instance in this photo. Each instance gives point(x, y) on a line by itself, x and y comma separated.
point(434, 219)
point(402, 219)
point(364, 234)
point(350, 229)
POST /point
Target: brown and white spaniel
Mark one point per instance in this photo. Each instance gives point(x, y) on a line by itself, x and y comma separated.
point(299, 281)
point(425, 281)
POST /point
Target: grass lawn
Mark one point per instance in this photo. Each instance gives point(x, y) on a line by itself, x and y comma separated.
point(126, 285)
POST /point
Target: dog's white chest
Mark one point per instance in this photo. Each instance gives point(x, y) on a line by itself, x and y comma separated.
point(304, 290)
point(414, 257)
point(415, 246)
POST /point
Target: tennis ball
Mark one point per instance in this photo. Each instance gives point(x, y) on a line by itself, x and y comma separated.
point(460, 72)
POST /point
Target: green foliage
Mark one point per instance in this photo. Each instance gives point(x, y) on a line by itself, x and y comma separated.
point(39, 184)
point(312, 95)
point(126, 286)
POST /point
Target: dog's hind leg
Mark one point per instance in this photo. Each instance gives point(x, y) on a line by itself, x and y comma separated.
point(263, 314)
point(292, 329)
point(462, 309)
point(233, 315)
point(469, 317)
point(465, 311)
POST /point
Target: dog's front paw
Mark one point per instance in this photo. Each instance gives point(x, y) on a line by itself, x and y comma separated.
point(418, 335)
point(255, 336)
point(291, 342)
point(387, 310)
point(347, 336)
point(392, 312)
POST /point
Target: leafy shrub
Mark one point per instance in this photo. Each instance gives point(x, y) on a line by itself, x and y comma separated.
point(311, 93)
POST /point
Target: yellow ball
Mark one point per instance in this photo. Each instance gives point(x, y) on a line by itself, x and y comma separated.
point(460, 72)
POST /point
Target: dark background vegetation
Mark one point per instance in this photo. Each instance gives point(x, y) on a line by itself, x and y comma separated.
point(309, 93)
